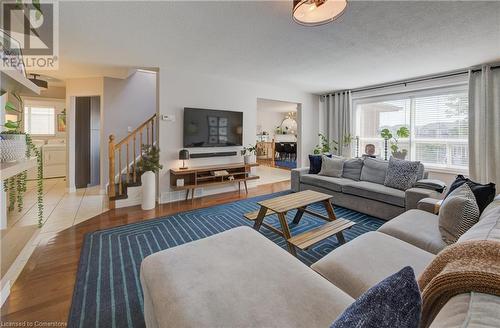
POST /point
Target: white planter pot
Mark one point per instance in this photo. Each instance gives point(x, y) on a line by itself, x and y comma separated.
point(12, 147)
point(250, 159)
point(148, 181)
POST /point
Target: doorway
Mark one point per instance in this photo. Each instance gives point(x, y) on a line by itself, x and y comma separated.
point(277, 133)
point(87, 141)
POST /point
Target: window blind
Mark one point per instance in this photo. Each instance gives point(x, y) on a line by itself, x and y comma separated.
point(437, 121)
point(39, 120)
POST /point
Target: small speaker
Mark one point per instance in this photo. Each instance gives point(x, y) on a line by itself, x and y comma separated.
point(214, 154)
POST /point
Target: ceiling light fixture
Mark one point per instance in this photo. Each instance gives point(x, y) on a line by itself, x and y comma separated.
point(41, 83)
point(317, 12)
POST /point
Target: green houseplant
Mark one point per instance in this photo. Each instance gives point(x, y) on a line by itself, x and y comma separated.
point(16, 186)
point(325, 146)
point(402, 132)
point(249, 154)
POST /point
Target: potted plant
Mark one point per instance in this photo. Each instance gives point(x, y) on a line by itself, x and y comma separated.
point(402, 132)
point(12, 140)
point(149, 165)
point(325, 146)
point(248, 154)
point(17, 145)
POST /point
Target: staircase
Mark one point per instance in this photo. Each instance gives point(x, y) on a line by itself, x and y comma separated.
point(124, 156)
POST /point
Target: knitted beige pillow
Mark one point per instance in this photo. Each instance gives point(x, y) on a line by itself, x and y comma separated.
point(458, 213)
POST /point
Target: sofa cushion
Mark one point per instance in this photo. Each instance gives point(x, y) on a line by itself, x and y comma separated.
point(488, 227)
point(469, 310)
point(484, 193)
point(330, 183)
point(393, 302)
point(416, 227)
point(352, 169)
point(401, 174)
point(237, 278)
point(374, 170)
point(458, 213)
point(364, 261)
point(315, 163)
point(376, 192)
point(332, 167)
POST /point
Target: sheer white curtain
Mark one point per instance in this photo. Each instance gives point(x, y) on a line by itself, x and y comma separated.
point(484, 125)
point(338, 119)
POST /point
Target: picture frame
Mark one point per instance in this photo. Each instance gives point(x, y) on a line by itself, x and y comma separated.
point(61, 122)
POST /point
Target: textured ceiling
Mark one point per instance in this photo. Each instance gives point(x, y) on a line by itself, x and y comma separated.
point(373, 42)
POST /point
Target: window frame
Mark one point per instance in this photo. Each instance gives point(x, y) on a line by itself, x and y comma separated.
point(27, 108)
point(434, 91)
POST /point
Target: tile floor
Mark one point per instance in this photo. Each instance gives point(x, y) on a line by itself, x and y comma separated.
point(62, 209)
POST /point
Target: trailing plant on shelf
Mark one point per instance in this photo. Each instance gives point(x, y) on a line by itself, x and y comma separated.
point(16, 186)
point(402, 132)
point(150, 159)
point(325, 146)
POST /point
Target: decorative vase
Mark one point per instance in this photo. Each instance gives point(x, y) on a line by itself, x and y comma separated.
point(400, 154)
point(12, 147)
point(148, 181)
point(250, 159)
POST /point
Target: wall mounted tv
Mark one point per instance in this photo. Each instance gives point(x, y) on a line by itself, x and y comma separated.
point(212, 128)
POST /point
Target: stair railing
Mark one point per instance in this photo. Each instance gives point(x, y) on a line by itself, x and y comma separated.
point(145, 134)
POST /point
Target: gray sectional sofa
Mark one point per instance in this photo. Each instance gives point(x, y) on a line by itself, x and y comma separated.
point(361, 188)
point(239, 278)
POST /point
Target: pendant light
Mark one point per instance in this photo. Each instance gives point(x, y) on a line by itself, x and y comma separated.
point(317, 12)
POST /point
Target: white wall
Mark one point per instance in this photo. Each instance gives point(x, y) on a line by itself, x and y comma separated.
point(127, 104)
point(270, 114)
point(179, 90)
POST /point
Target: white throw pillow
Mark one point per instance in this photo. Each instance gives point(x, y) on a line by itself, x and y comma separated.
point(332, 167)
point(458, 213)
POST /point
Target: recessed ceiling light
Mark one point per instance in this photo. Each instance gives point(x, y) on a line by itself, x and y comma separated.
point(317, 12)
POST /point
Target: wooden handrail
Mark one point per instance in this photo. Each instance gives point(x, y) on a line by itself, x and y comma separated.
point(131, 165)
point(136, 130)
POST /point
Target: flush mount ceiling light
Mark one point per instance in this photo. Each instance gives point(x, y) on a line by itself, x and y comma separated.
point(317, 12)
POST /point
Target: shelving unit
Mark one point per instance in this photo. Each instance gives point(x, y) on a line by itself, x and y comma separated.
point(204, 176)
point(10, 169)
point(14, 81)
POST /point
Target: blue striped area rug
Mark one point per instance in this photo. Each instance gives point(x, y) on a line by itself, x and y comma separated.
point(108, 291)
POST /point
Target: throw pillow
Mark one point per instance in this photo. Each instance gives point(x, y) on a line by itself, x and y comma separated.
point(352, 169)
point(458, 213)
point(393, 302)
point(401, 174)
point(374, 170)
point(484, 193)
point(315, 163)
point(332, 167)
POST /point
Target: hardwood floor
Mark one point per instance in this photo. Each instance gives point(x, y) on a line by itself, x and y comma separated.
point(44, 289)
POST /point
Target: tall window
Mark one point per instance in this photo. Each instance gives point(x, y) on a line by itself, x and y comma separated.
point(437, 120)
point(39, 120)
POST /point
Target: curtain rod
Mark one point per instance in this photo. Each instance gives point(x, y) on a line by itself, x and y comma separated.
point(418, 79)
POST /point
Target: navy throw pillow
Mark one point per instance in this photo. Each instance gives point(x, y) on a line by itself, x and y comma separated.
point(393, 302)
point(315, 163)
point(484, 193)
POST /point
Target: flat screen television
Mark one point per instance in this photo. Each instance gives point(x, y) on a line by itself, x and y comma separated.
point(212, 128)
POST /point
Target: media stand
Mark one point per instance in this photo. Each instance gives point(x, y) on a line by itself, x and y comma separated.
point(204, 176)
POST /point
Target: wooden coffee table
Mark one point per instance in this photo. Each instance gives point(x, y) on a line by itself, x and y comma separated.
point(299, 201)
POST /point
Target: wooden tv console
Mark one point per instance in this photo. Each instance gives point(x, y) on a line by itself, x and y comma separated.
point(203, 176)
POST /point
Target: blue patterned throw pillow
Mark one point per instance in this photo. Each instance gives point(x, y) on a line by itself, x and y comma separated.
point(315, 163)
point(394, 302)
